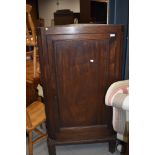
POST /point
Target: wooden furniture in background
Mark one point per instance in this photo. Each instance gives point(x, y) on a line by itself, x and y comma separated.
point(85, 11)
point(78, 64)
point(40, 22)
point(31, 82)
point(63, 17)
point(35, 11)
point(31, 92)
point(93, 11)
point(32, 65)
point(31, 38)
point(35, 116)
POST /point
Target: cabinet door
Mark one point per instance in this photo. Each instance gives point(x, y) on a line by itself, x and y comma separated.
point(77, 70)
point(80, 68)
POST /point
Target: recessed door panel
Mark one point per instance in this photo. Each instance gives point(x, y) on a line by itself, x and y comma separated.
point(81, 68)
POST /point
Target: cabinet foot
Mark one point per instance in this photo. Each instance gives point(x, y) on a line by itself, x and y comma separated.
point(51, 146)
point(112, 146)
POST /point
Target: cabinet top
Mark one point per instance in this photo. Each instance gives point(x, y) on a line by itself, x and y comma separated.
point(82, 29)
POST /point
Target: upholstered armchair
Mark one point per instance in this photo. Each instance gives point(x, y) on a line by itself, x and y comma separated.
point(117, 96)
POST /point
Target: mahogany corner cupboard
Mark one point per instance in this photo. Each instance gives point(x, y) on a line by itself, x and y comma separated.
point(78, 63)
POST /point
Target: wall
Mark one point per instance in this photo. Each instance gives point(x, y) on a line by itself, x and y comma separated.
point(48, 7)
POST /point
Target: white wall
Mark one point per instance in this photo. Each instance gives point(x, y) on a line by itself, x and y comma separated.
point(48, 7)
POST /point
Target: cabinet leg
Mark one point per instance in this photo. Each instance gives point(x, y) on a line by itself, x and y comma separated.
point(112, 146)
point(51, 146)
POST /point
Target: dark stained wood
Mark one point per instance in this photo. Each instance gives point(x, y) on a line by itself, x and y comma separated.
point(78, 64)
point(51, 146)
point(84, 29)
point(85, 11)
point(63, 17)
point(112, 146)
point(93, 12)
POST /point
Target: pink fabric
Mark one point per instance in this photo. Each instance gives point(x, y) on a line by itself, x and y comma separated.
point(115, 90)
point(115, 97)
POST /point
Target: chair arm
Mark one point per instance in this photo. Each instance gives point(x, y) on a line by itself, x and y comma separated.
point(121, 101)
point(118, 91)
